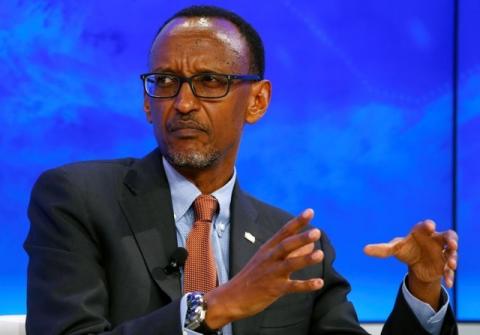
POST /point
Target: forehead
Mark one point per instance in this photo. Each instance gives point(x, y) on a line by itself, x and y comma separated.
point(211, 43)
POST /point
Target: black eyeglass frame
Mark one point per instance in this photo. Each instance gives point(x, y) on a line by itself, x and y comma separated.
point(189, 80)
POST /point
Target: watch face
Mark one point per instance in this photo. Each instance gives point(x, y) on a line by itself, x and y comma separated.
point(196, 310)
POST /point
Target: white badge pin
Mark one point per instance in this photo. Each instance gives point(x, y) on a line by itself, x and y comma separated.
point(249, 237)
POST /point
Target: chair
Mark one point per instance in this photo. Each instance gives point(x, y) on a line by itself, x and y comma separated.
point(12, 324)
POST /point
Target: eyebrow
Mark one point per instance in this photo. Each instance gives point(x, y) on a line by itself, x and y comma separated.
point(163, 70)
point(198, 70)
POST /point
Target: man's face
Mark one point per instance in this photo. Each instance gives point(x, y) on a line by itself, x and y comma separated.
point(196, 132)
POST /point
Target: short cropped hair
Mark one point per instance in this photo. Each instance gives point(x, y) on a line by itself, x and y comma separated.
point(254, 42)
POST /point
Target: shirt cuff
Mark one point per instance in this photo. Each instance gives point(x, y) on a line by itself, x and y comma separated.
point(430, 320)
point(183, 315)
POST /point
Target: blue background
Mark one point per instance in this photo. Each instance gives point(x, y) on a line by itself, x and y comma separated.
point(361, 125)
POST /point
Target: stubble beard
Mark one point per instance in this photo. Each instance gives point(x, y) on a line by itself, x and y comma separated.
point(192, 159)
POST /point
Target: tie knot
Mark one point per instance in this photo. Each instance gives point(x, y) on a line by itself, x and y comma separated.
point(205, 207)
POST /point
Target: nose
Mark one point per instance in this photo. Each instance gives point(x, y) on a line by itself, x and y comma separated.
point(186, 101)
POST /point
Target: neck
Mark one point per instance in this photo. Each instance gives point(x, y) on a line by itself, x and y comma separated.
point(208, 179)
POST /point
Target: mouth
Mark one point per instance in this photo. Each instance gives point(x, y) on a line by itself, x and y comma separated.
point(186, 128)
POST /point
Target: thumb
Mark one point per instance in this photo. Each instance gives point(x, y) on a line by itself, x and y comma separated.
point(382, 250)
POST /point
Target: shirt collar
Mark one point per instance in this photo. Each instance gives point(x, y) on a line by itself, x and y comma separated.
point(184, 193)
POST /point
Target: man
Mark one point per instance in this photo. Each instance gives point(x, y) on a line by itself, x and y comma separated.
point(102, 233)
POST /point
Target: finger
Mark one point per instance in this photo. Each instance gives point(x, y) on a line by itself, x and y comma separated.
point(450, 238)
point(305, 250)
point(449, 277)
point(425, 228)
point(383, 250)
point(451, 257)
point(297, 286)
point(427, 238)
point(291, 227)
point(293, 243)
point(293, 264)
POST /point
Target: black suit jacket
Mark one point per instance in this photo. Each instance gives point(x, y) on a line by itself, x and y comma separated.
point(101, 233)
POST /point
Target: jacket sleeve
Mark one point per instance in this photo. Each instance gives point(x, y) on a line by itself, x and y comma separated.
point(402, 320)
point(332, 312)
point(67, 289)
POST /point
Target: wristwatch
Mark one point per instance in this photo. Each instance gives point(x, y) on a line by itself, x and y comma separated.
point(196, 312)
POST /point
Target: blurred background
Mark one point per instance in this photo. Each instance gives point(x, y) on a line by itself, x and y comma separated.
point(374, 122)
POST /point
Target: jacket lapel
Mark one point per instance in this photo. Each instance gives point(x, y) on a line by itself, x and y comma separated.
point(147, 205)
point(244, 221)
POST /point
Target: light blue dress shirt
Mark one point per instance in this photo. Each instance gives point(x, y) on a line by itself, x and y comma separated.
point(430, 320)
point(184, 193)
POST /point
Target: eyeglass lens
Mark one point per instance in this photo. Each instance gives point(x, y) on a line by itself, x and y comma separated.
point(203, 85)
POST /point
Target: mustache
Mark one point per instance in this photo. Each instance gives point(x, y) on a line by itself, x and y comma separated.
point(186, 122)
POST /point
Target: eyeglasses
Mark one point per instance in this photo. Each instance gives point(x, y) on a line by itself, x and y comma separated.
point(204, 85)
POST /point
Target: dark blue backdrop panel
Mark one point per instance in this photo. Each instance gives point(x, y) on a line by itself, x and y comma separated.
point(359, 127)
point(469, 160)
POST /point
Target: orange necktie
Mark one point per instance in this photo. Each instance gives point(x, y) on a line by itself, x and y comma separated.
point(200, 272)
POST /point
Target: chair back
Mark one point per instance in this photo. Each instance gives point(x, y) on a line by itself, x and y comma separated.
point(12, 324)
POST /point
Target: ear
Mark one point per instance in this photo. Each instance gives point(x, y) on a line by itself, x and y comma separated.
point(259, 101)
point(146, 108)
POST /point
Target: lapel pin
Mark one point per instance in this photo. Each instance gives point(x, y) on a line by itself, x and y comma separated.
point(249, 237)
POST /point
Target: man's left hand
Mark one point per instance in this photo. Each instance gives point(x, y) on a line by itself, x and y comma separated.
point(430, 255)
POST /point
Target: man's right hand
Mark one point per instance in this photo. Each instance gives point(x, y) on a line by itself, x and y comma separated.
point(266, 277)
